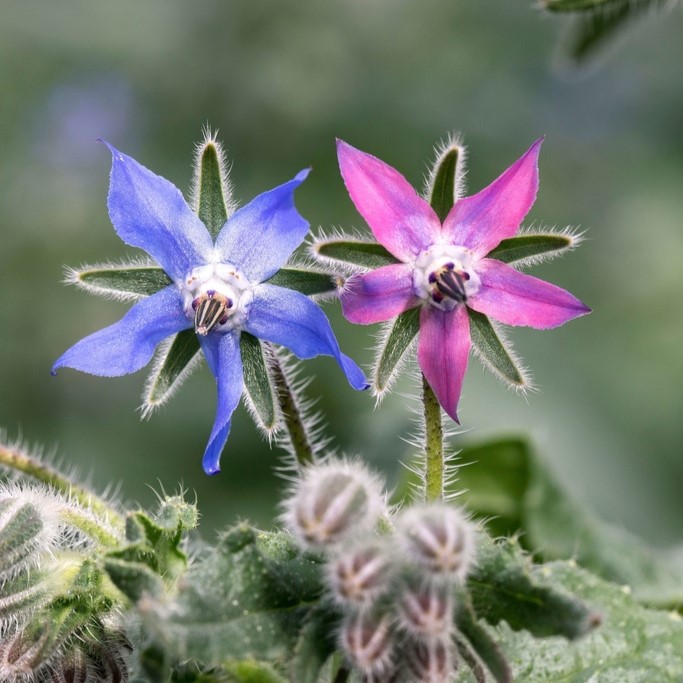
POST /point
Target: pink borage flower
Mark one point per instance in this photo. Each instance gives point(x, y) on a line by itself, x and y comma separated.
point(443, 266)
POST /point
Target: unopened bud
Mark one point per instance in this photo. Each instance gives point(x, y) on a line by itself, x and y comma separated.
point(426, 609)
point(358, 575)
point(429, 661)
point(29, 527)
point(438, 539)
point(331, 502)
point(367, 640)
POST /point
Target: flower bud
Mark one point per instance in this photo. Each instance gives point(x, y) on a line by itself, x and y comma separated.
point(359, 574)
point(29, 527)
point(331, 502)
point(426, 609)
point(367, 640)
point(438, 539)
point(429, 661)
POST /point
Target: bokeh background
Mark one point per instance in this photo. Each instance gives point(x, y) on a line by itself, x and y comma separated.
point(281, 80)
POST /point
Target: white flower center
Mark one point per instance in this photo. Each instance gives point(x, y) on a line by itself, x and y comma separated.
point(216, 297)
point(444, 276)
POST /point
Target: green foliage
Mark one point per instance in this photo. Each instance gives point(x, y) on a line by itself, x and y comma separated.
point(443, 183)
point(211, 187)
point(530, 247)
point(399, 335)
point(309, 282)
point(511, 488)
point(258, 382)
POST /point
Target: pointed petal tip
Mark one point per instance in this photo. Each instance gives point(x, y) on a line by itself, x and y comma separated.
point(53, 372)
point(303, 174)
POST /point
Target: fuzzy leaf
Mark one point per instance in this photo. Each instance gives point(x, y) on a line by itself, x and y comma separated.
point(633, 644)
point(403, 330)
point(492, 350)
point(21, 535)
point(174, 362)
point(505, 586)
point(530, 247)
point(133, 579)
point(248, 599)
point(308, 282)
point(129, 281)
point(355, 252)
point(315, 646)
point(442, 194)
point(211, 205)
point(505, 484)
point(258, 383)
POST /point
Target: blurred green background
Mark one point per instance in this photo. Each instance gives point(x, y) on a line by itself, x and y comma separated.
point(280, 80)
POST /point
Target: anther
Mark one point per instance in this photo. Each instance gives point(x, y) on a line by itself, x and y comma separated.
point(210, 309)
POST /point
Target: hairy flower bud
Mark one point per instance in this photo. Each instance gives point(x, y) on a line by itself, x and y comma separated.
point(331, 502)
point(359, 574)
point(429, 661)
point(438, 538)
point(426, 609)
point(367, 640)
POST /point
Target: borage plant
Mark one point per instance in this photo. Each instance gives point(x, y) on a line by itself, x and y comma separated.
point(354, 587)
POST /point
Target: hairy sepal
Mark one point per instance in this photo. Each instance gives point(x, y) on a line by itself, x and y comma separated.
point(259, 386)
point(396, 339)
point(313, 282)
point(175, 359)
point(530, 248)
point(350, 252)
point(444, 184)
point(129, 281)
point(496, 353)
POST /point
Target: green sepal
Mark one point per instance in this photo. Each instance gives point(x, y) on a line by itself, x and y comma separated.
point(173, 363)
point(532, 247)
point(211, 185)
point(258, 382)
point(133, 579)
point(20, 535)
point(125, 281)
point(443, 182)
point(397, 341)
point(492, 350)
point(308, 282)
point(505, 586)
point(354, 252)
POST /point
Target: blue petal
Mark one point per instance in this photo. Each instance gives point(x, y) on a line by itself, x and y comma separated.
point(222, 353)
point(262, 235)
point(290, 319)
point(150, 212)
point(128, 345)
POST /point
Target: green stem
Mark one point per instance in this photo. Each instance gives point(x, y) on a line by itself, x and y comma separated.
point(434, 449)
point(20, 462)
point(294, 423)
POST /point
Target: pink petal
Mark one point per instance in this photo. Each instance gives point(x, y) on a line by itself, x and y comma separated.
point(400, 219)
point(517, 299)
point(379, 295)
point(481, 221)
point(442, 353)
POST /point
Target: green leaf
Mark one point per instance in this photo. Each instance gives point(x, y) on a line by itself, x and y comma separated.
point(211, 204)
point(174, 362)
point(491, 349)
point(126, 281)
point(506, 586)
point(354, 252)
point(443, 182)
point(133, 579)
point(530, 248)
point(633, 644)
point(505, 484)
point(251, 671)
point(315, 646)
point(308, 282)
point(399, 335)
point(248, 599)
point(258, 383)
point(481, 641)
point(575, 5)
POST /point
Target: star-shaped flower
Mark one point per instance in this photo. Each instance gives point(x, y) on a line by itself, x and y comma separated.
point(216, 287)
point(444, 268)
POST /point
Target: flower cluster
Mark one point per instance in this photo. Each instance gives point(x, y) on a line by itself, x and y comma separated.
point(392, 575)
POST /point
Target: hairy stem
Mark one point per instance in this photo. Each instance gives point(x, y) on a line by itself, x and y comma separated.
point(294, 423)
point(20, 462)
point(434, 447)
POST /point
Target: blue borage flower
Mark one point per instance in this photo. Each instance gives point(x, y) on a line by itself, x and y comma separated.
point(218, 288)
